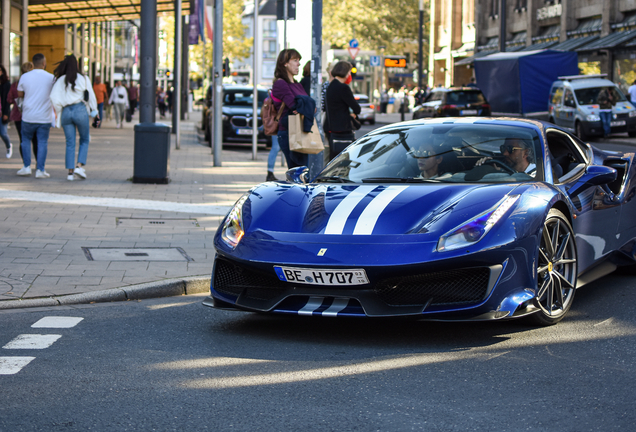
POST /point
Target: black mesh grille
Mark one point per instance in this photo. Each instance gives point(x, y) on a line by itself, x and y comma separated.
point(448, 287)
point(233, 280)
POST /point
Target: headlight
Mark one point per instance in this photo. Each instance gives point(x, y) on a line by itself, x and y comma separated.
point(593, 117)
point(632, 113)
point(233, 227)
point(472, 231)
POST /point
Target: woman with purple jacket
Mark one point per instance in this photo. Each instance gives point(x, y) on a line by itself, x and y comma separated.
point(285, 89)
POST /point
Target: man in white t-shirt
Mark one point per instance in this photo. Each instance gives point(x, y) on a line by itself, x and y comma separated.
point(632, 92)
point(37, 114)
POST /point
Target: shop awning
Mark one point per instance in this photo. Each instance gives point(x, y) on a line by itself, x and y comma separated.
point(609, 41)
point(50, 13)
point(469, 60)
point(540, 46)
point(573, 43)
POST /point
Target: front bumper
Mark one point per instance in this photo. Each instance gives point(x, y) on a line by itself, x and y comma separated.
point(492, 284)
point(596, 128)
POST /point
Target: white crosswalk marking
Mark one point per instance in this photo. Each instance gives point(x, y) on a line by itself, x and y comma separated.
point(57, 322)
point(13, 365)
point(32, 341)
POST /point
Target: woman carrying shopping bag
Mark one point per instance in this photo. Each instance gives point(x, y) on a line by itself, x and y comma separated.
point(73, 99)
point(119, 100)
point(285, 89)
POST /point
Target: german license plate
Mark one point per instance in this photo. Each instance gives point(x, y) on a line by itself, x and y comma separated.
point(468, 112)
point(618, 123)
point(322, 276)
point(244, 131)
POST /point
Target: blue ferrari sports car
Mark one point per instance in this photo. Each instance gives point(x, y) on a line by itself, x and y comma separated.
point(446, 219)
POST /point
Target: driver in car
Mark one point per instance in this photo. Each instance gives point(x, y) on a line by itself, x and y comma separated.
point(517, 155)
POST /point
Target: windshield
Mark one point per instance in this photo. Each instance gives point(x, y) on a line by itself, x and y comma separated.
point(589, 96)
point(454, 153)
point(242, 97)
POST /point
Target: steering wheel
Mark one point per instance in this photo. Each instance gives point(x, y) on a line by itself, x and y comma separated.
point(501, 164)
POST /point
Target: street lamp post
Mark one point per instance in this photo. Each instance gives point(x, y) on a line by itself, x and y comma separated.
point(420, 56)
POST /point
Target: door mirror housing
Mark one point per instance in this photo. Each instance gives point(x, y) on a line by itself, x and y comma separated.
point(595, 175)
point(298, 175)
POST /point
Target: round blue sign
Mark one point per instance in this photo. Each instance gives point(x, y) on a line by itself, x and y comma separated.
point(353, 43)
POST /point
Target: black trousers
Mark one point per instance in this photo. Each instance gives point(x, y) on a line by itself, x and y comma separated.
point(338, 141)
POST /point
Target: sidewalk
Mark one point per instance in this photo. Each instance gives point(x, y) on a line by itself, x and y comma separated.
point(57, 235)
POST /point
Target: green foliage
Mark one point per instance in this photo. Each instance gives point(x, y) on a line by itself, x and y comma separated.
point(393, 24)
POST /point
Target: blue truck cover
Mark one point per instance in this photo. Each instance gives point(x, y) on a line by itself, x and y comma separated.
point(518, 83)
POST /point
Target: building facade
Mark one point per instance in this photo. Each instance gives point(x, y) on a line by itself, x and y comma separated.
point(601, 32)
point(451, 40)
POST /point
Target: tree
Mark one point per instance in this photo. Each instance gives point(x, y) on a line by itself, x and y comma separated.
point(392, 24)
point(235, 43)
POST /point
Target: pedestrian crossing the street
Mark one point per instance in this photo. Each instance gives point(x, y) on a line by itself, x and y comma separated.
point(10, 365)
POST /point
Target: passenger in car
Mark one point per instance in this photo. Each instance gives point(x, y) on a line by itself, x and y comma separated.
point(428, 161)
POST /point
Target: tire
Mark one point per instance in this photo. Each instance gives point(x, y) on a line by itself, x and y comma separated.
point(556, 270)
point(551, 120)
point(631, 134)
point(372, 122)
point(579, 131)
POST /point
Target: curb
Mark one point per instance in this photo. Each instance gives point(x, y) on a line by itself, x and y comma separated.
point(164, 288)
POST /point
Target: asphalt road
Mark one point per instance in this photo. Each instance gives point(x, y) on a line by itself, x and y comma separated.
point(173, 364)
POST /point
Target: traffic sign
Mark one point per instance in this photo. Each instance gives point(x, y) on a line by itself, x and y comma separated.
point(353, 52)
point(353, 43)
point(374, 61)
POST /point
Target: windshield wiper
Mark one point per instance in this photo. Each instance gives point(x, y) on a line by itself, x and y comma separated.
point(336, 179)
point(397, 180)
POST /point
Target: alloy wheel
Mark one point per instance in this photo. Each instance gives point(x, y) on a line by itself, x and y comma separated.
point(556, 269)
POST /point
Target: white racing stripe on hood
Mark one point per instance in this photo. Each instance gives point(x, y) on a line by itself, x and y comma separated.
point(370, 215)
point(339, 217)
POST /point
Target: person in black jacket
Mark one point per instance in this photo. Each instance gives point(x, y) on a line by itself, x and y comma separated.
point(341, 108)
point(5, 86)
point(306, 80)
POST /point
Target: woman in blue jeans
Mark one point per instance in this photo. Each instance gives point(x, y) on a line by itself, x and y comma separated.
point(73, 99)
point(271, 159)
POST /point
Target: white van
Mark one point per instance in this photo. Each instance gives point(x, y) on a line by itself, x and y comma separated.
point(574, 105)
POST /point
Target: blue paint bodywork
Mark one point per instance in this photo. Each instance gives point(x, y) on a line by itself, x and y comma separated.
point(284, 225)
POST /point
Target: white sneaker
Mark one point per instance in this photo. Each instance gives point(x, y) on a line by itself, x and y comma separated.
point(70, 177)
point(41, 174)
point(25, 171)
point(80, 172)
point(10, 151)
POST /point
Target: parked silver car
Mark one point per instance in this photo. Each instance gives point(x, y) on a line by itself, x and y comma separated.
point(367, 113)
point(574, 105)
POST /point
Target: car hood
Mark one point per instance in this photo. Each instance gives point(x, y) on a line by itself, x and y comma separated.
point(298, 212)
point(238, 110)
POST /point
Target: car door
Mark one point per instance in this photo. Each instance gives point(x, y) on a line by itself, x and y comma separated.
point(596, 213)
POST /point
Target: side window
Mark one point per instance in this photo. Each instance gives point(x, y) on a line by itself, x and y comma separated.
point(557, 96)
point(568, 100)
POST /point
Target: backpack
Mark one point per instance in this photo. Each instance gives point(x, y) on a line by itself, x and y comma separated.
point(269, 115)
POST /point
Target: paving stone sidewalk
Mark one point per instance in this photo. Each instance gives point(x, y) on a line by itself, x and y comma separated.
point(45, 246)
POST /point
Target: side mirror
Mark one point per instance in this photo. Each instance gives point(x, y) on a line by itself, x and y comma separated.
point(299, 175)
point(595, 175)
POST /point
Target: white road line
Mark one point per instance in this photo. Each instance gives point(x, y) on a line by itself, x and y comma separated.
point(32, 341)
point(341, 213)
point(114, 202)
point(369, 217)
point(57, 322)
point(313, 304)
point(338, 305)
point(13, 365)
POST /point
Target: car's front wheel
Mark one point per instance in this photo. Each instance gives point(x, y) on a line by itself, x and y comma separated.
point(580, 132)
point(556, 270)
